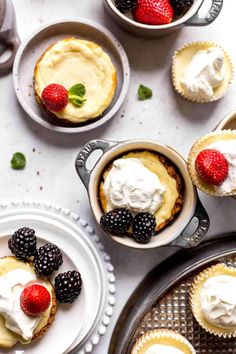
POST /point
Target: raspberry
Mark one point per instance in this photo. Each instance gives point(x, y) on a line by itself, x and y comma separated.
point(55, 97)
point(35, 299)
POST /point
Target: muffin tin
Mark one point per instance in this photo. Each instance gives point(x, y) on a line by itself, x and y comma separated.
point(162, 300)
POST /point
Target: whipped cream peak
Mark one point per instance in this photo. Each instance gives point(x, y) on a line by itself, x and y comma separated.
point(129, 184)
point(204, 73)
point(218, 301)
point(11, 286)
point(228, 149)
point(163, 349)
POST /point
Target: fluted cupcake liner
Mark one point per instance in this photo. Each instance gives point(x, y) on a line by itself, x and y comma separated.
point(162, 336)
point(184, 62)
point(200, 145)
point(194, 299)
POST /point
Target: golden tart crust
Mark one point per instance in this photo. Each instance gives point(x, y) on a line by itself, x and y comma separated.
point(164, 337)
point(7, 338)
point(168, 175)
point(100, 71)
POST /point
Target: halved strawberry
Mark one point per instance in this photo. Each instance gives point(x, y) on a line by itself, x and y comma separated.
point(35, 299)
point(153, 12)
point(211, 166)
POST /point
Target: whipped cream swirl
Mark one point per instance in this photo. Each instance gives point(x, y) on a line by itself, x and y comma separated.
point(163, 349)
point(228, 149)
point(218, 300)
point(11, 286)
point(129, 184)
point(204, 73)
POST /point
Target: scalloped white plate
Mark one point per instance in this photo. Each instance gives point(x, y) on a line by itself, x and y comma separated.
point(80, 325)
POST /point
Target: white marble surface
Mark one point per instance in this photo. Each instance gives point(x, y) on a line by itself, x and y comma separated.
point(166, 118)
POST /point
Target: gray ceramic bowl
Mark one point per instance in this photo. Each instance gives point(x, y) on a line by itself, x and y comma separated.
point(191, 18)
point(173, 234)
point(31, 50)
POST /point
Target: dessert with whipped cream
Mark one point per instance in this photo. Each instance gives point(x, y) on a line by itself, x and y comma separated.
point(15, 324)
point(204, 73)
point(144, 183)
point(201, 72)
point(162, 341)
point(71, 62)
point(28, 299)
point(213, 302)
point(212, 163)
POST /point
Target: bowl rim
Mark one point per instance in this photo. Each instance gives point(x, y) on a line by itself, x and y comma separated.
point(111, 154)
point(91, 125)
point(190, 13)
point(226, 119)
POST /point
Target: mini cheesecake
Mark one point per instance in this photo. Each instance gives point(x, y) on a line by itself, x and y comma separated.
point(224, 143)
point(8, 338)
point(162, 341)
point(170, 180)
point(212, 300)
point(71, 61)
point(202, 72)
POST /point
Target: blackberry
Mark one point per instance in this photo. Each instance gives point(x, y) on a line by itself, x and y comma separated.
point(125, 5)
point(23, 243)
point(117, 221)
point(144, 226)
point(181, 6)
point(48, 258)
point(68, 286)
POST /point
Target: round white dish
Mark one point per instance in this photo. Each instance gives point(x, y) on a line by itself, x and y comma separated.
point(82, 250)
point(34, 46)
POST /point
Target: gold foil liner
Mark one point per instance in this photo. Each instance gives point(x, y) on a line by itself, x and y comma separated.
point(194, 298)
point(162, 336)
point(180, 63)
point(200, 145)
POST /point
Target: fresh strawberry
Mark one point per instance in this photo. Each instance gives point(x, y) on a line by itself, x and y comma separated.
point(153, 12)
point(211, 166)
point(55, 97)
point(35, 299)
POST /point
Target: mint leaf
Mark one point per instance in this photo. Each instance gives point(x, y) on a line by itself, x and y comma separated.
point(76, 94)
point(77, 100)
point(77, 90)
point(144, 93)
point(18, 161)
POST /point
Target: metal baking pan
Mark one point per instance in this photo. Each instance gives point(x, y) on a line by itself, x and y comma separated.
point(161, 300)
